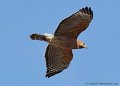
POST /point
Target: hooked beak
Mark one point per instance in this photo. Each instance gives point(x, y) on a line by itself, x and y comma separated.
point(85, 46)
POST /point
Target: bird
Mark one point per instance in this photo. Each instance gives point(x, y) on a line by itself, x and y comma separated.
point(58, 53)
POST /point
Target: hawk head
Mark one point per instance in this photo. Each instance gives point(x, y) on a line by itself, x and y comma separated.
point(81, 44)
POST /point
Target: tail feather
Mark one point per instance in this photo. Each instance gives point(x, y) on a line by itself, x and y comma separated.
point(38, 37)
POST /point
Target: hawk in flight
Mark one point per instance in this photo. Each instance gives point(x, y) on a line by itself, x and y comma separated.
point(59, 50)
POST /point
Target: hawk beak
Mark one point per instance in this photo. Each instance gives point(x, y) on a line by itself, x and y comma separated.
point(85, 46)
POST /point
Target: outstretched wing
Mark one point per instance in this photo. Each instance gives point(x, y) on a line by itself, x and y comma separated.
point(75, 24)
point(57, 59)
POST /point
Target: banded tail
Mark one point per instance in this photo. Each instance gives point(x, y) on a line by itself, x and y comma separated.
point(38, 37)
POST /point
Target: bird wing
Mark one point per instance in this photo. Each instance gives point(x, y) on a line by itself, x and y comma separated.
point(75, 24)
point(57, 59)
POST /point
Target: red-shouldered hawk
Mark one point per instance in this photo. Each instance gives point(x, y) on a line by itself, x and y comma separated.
point(59, 51)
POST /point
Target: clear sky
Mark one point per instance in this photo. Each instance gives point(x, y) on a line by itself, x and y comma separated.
point(22, 61)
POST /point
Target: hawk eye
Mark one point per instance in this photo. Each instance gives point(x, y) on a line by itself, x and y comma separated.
point(83, 43)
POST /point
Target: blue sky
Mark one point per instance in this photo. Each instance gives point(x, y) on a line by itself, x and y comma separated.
point(22, 61)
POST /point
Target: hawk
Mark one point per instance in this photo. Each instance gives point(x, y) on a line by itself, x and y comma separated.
point(59, 50)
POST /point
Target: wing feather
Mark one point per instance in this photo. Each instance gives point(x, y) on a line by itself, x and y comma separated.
point(75, 24)
point(57, 59)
